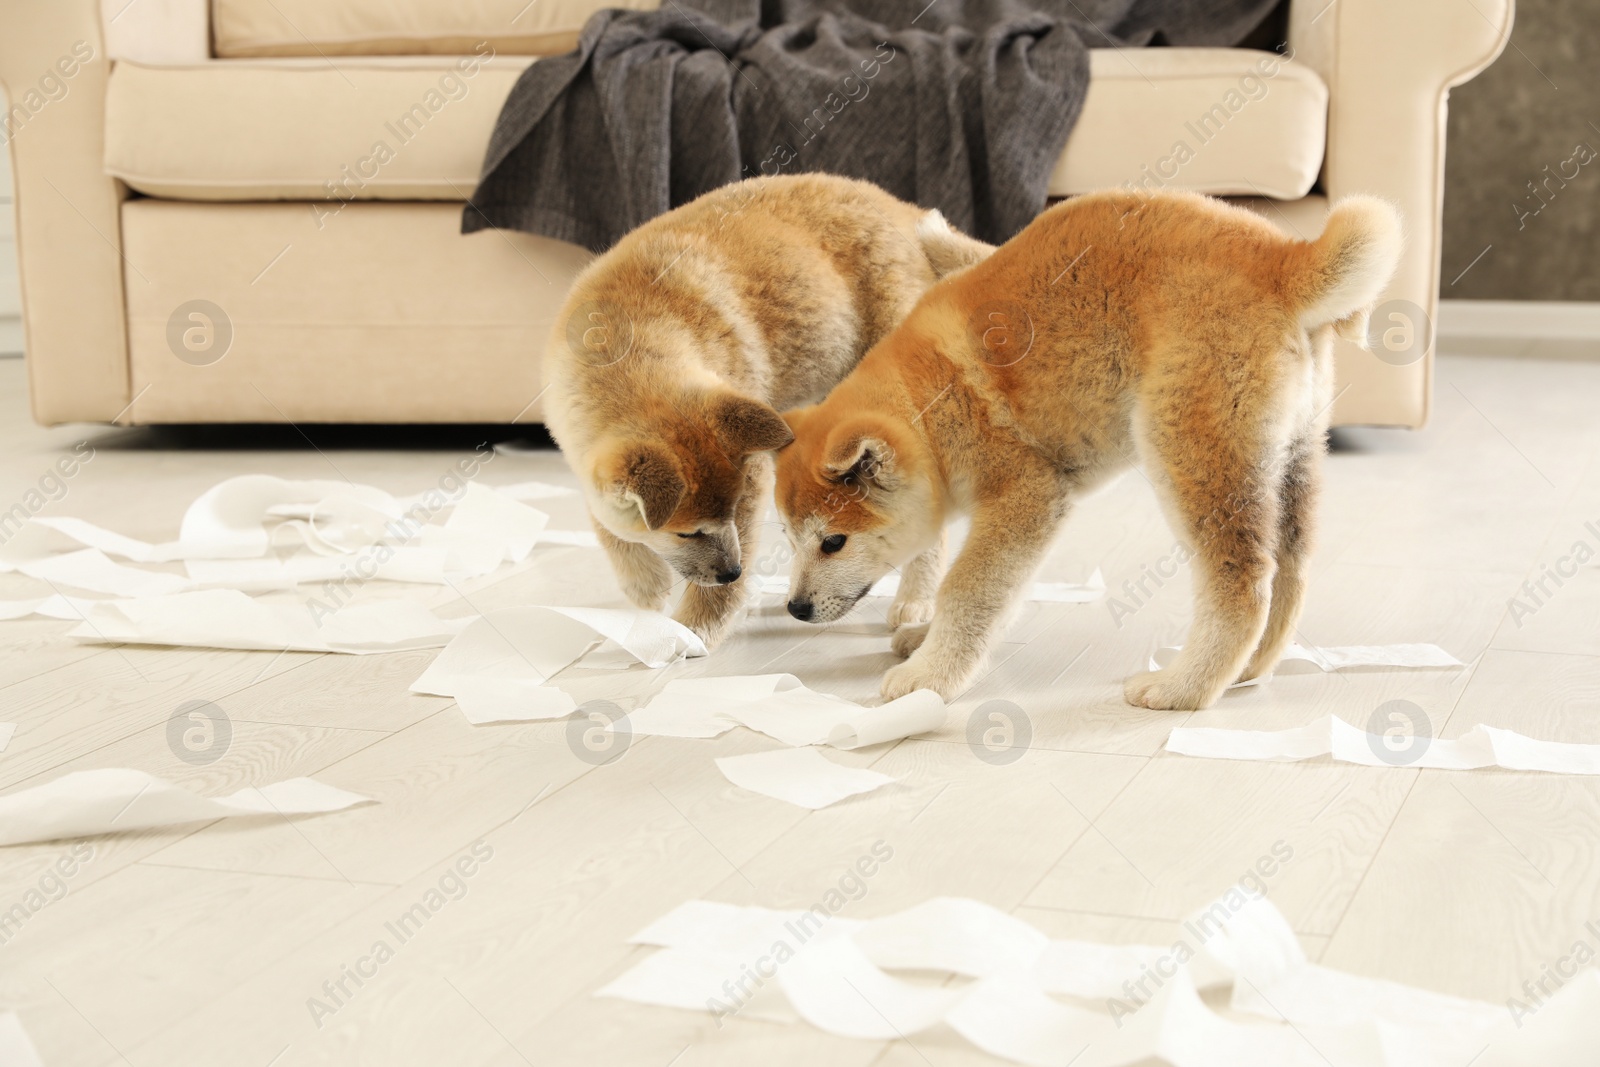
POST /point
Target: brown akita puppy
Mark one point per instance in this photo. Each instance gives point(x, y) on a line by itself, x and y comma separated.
point(1171, 326)
point(676, 347)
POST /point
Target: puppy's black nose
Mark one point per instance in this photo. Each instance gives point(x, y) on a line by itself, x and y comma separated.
point(730, 575)
point(800, 609)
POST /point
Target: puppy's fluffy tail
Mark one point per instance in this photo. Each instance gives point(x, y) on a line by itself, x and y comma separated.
point(948, 249)
point(1346, 269)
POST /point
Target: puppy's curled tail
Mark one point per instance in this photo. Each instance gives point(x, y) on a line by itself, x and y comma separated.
point(947, 248)
point(1346, 269)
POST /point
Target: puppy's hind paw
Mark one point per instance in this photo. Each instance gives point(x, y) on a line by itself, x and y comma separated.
point(907, 639)
point(1161, 691)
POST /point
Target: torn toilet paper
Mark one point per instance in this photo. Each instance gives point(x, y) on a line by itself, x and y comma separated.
point(227, 618)
point(118, 798)
point(1482, 746)
point(779, 706)
point(491, 700)
point(532, 644)
point(833, 973)
point(800, 776)
point(360, 527)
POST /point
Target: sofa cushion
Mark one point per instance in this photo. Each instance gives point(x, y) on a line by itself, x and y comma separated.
point(1223, 121)
point(303, 129)
point(250, 28)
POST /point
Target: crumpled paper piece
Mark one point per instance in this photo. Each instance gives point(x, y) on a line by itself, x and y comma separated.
point(1482, 746)
point(779, 706)
point(118, 798)
point(801, 776)
point(833, 973)
point(516, 647)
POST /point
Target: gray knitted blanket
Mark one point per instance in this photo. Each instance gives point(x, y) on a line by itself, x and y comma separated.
point(960, 105)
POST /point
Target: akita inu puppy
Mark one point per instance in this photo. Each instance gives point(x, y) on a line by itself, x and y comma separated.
point(1172, 326)
point(674, 350)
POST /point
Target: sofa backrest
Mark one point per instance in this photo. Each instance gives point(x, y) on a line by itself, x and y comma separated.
point(162, 32)
point(401, 27)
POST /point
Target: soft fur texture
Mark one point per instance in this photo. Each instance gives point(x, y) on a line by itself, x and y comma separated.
point(675, 349)
point(1172, 327)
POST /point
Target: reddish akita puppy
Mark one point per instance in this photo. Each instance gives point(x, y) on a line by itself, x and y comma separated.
point(1172, 326)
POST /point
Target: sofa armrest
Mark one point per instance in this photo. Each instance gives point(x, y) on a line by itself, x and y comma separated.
point(53, 67)
point(1389, 68)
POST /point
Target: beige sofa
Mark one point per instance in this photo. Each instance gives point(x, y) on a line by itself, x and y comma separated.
point(247, 210)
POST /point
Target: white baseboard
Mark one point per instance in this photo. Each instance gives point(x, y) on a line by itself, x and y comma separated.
point(1530, 320)
point(10, 335)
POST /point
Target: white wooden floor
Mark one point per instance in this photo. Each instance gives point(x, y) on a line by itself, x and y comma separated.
point(204, 946)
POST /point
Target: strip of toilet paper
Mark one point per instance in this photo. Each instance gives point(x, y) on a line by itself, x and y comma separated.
point(1481, 746)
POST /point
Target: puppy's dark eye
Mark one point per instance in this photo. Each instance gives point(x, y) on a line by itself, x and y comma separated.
point(832, 543)
point(688, 536)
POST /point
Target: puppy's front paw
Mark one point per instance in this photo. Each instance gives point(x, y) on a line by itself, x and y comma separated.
point(645, 579)
point(908, 677)
point(710, 613)
point(1163, 691)
point(909, 612)
point(921, 671)
point(646, 596)
point(907, 639)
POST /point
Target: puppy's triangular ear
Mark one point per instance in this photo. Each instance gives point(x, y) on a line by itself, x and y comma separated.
point(859, 452)
point(640, 477)
point(744, 425)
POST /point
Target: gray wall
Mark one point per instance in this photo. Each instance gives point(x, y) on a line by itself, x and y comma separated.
point(1530, 110)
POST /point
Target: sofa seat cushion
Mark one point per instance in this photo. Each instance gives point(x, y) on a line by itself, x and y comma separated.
point(1214, 120)
point(254, 28)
